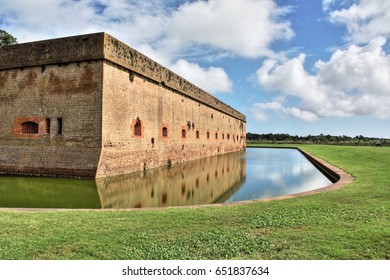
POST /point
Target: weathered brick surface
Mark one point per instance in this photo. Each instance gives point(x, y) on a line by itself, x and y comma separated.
point(30, 94)
point(87, 93)
point(158, 106)
point(121, 54)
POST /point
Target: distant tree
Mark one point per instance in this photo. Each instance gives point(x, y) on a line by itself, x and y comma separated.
point(322, 139)
point(6, 39)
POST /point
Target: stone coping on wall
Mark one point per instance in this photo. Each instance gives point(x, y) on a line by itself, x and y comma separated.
point(53, 51)
point(102, 46)
point(340, 179)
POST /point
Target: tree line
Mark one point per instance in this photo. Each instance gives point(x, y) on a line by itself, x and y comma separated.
point(317, 139)
point(6, 38)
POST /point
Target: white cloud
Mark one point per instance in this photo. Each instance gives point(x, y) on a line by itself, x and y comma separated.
point(212, 79)
point(300, 114)
point(290, 78)
point(135, 22)
point(364, 20)
point(245, 27)
point(364, 69)
point(261, 110)
point(164, 30)
point(354, 81)
point(326, 4)
point(32, 20)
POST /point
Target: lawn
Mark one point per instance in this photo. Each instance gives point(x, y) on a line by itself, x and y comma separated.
point(350, 223)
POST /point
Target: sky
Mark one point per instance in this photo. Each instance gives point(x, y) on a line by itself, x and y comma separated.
point(302, 67)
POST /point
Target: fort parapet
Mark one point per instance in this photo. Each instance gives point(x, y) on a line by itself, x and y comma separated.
point(90, 106)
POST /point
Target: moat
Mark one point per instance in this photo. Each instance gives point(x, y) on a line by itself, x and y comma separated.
point(254, 174)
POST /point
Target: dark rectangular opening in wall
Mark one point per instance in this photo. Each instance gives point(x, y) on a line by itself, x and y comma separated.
point(48, 126)
point(137, 127)
point(165, 132)
point(59, 125)
point(30, 128)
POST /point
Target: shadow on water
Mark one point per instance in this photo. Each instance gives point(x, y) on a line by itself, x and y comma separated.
point(35, 192)
point(254, 174)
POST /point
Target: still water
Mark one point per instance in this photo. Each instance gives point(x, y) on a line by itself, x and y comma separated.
point(254, 174)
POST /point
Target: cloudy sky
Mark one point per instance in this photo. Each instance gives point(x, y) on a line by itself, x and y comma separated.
point(291, 66)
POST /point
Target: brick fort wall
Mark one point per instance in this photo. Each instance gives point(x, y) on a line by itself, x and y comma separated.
point(65, 102)
point(90, 106)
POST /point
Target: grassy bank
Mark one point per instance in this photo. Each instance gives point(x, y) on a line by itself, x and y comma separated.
point(350, 223)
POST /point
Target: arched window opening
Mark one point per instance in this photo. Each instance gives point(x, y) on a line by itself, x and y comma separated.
point(183, 133)
point(30, 127)
point(165, 132)
point(208, 135)
point(137, 128)
point(197, 134)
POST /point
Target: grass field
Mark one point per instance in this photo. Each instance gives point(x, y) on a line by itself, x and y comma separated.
point(349, 223)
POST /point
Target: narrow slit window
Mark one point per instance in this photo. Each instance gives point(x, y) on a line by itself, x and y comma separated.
point(183, 133)
point(165, 132)
point(197, 134)
point(48, 126)
point(30, 127)
point(59, 125)
point(137, 128)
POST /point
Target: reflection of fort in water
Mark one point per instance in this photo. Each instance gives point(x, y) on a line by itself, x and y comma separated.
point(201, 181)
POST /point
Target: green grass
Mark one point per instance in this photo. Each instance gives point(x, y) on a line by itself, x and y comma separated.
point(350, 223)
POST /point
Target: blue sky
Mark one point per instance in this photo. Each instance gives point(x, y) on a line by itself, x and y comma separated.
point(299, 67)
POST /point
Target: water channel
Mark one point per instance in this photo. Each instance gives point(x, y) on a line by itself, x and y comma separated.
point(254, 174)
